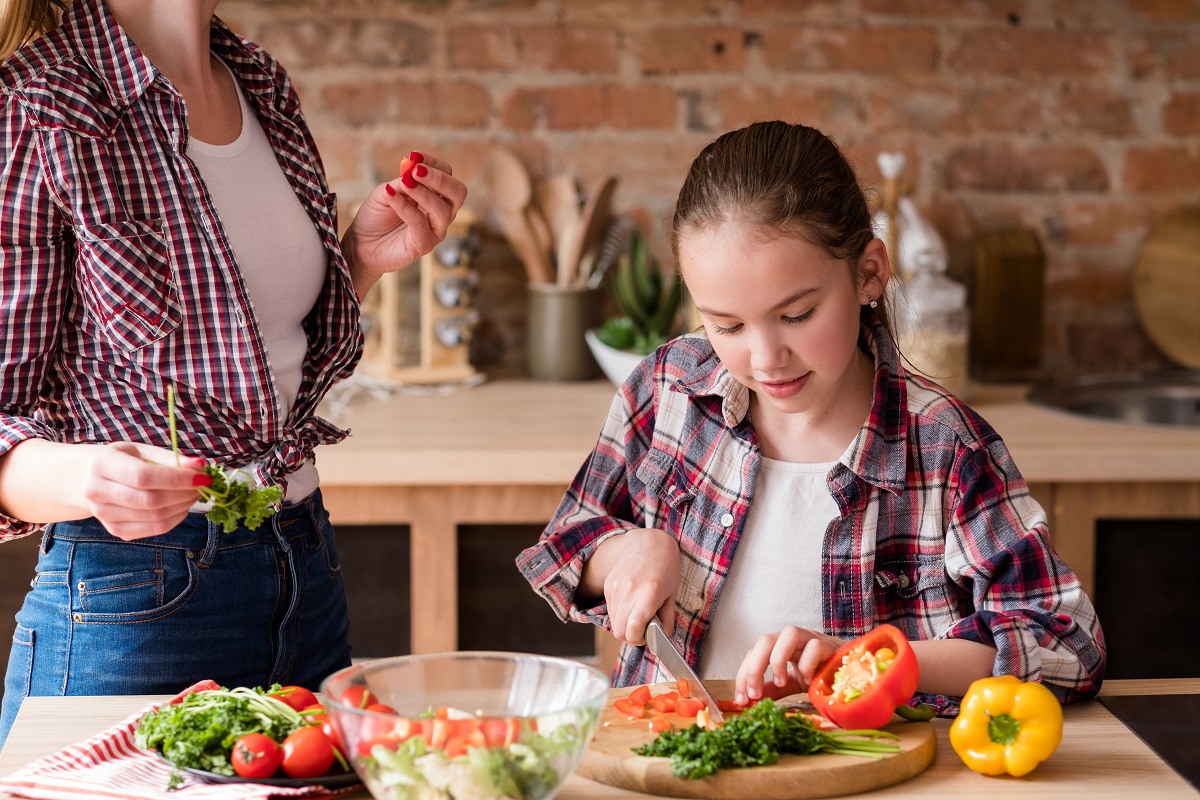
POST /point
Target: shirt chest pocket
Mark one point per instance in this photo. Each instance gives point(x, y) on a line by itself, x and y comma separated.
point(669, 490)
point(126, 282)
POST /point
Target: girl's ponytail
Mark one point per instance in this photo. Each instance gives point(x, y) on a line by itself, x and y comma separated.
point(23, 21)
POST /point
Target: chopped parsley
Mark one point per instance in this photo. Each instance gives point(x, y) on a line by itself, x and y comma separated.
point(759, 736)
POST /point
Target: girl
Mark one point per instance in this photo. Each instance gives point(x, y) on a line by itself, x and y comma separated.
point(779, 484)
point(167, 222)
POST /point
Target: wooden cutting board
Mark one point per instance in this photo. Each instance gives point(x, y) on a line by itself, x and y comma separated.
point(610, 760)
point(1166, 286)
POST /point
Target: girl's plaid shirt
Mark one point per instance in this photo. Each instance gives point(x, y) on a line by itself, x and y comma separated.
point(115, 275)
point(938, 534)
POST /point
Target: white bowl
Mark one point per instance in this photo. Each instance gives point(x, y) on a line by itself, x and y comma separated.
point(616, 364)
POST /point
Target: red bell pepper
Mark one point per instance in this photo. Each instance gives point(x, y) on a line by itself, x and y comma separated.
point(864, 680)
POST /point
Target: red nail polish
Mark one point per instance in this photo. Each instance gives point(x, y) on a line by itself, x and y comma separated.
point(202, 480)
point(408, 181)
point(421, 171)
point(387, 187)
point(416, 157)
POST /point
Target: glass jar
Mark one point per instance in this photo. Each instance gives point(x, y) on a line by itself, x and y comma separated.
point(932, 323)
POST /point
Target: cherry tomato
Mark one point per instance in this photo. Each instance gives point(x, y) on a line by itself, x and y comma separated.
point(316, 715)
point(307, 753)
point(256, 755)
point(358, 696)
point(297, 697)
point(381, 708)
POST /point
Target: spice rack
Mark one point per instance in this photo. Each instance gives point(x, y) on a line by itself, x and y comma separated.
point(446, 317)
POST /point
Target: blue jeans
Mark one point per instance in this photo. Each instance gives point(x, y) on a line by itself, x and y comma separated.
point(153, 616)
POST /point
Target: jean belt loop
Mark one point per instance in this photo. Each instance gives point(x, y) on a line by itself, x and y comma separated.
point(210, 546)
point(47, 539)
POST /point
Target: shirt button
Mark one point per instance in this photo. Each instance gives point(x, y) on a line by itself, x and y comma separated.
point(204, 223)
point(241, 318)
point(726, 520)
point(904, 581)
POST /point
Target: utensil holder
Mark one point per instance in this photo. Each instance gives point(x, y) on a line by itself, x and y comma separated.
point(558, 317)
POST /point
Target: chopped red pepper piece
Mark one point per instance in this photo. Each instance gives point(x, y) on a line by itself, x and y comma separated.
point(864, 680)
point(640, 695)
point(685, 688)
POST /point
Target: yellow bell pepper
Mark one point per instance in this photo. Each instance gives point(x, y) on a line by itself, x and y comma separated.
point(1005, 725)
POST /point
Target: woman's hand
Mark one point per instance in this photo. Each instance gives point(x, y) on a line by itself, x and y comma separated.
point(136, 490)
point(401, 221)
point(793, 654)
point(642, 582)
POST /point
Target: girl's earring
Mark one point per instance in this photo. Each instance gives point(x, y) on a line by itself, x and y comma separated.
point(872, 302)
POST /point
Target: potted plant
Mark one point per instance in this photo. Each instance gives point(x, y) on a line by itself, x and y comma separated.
point(649, 305)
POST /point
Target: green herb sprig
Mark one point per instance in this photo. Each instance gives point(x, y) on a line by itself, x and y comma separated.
point(232, 500)
point(759, 736)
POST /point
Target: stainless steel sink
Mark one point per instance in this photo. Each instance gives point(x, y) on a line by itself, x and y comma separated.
point(1156, 398)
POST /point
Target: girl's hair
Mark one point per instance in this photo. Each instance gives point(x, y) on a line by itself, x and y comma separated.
point(23, 21)
point(781, 177)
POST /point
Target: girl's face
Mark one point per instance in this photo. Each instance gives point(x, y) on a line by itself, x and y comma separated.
point(781, 313)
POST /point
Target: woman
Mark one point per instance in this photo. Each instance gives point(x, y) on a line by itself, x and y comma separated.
point(167, 224)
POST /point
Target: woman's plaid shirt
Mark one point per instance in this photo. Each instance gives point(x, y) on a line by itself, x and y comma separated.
point(116, 278)
point(938, 534)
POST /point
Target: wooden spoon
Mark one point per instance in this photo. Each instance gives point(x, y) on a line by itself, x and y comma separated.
point(597, 212)
point(558, 198)
point(512, 191)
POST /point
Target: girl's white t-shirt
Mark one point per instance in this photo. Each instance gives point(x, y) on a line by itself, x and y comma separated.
point(774, 579)
point(281, 256)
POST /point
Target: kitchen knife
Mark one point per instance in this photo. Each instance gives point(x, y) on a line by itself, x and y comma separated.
point(664, 650)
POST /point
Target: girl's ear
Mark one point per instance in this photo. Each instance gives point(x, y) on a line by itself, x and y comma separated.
point(874, 270)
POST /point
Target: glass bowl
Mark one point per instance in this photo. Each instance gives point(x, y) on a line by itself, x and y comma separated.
point(465, 724)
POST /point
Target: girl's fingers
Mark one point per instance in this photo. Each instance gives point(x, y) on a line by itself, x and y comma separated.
point(815, 653)
point(755, 665)
point(790, 640)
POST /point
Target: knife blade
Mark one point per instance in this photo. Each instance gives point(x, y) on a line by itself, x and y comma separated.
point(673, 661)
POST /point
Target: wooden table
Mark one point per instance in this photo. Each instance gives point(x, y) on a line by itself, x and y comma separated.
point(1099, 758)
point(505, 451)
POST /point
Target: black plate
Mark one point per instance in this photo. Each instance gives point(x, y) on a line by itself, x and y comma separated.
point(337, 781)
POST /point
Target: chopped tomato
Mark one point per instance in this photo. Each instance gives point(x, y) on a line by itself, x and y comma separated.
point(660, 724)
point(688, 706)
point(500, 732)
point(629, 708)
point(640, 695)
point(664, 702)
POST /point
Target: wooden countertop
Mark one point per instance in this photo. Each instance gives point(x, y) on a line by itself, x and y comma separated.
point(1099, 758)
point(528, 433)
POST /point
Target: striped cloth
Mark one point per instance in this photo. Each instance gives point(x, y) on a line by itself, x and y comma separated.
point(110, 765)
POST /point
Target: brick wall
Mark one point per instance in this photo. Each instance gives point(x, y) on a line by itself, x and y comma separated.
point(1080, 118)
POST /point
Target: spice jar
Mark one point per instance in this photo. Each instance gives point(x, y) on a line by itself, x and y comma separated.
point(932, 323)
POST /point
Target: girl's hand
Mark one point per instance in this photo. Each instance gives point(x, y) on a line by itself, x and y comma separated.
point(641, 583)
point(793, 654)
point(136, 490)
point(398, 223)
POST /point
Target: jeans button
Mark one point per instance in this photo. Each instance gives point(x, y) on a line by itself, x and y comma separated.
point(82, 586)
point(77, 617)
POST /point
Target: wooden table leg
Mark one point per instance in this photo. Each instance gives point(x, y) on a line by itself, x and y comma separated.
point(434, 573)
